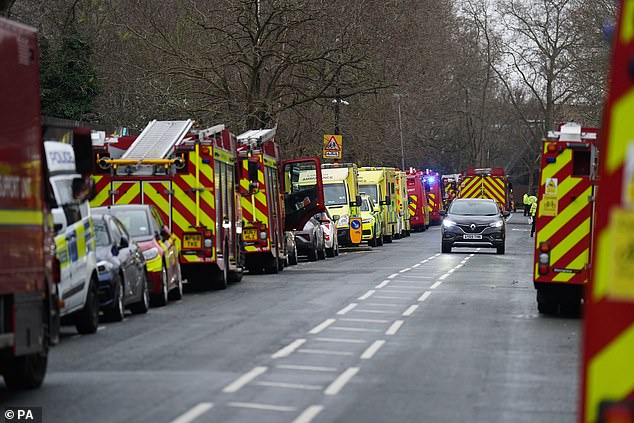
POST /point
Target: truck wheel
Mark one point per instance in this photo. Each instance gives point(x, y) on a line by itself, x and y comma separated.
point(177, 292)
point(87, 319)
point(160, 299)
point(571, 307)
point(272, 267)
point(373, 241)
point(117, 312)
point(546, 304)
point(379, 241)
point(144, 303)
point(222, 279)
point(388, 239)
point(26, 372)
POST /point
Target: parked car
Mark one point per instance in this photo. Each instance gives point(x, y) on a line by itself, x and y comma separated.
point(474, 222)
point(291, 248)
point(330, 233)
point(120, 270)
point(310, 240)
point(145, 225)
point(371, 218)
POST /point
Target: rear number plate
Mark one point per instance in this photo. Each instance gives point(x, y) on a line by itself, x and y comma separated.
point(250, 234)
point(191, 241)
point(471, 236)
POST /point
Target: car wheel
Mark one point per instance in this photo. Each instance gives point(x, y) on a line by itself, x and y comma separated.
point(321, 253)
point(330, 252)
point(117, 312)
point(143, 305)
point(87, 320)
point(161, 299)
point(446, 247)
point(26, 372)
point(501, 248)
point(379, 241)
point(177, 292)
point(312, 254)
point(292, 258)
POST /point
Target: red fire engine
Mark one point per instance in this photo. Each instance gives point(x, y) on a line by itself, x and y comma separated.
point(417, 199)
point(431, 181)
point(490, 182)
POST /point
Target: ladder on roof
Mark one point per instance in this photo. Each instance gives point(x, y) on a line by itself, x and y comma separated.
point(158, 139)
point(256, 137)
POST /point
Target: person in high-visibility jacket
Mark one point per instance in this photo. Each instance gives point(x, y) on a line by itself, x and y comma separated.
point(527, 204)
point(533, 212)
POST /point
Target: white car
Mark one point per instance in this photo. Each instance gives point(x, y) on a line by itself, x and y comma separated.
point(330, 234)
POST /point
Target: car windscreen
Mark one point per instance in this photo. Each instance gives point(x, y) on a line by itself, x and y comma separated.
point(135, 221)
point(335, 194)
point(371, 191)
point(102, 239)
point(473, 208)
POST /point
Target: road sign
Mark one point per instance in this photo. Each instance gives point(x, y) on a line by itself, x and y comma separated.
point(551, 186)
point(356, 231)
point(333, 146)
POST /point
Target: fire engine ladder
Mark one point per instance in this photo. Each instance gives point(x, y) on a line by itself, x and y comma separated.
point(155, 143)
point(256, 137)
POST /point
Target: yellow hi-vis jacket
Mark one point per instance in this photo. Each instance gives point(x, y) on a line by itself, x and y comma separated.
point(526, 199)
point(533, 210)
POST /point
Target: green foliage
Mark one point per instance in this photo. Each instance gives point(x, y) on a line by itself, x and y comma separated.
point(68, 77)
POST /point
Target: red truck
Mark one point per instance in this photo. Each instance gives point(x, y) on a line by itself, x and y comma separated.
point(29, 269)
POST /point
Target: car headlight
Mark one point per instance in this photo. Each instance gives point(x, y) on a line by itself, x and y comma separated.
point(448, 223)
point(343, 220)
point(104, 266)
point(497, 224)
point(151, 253)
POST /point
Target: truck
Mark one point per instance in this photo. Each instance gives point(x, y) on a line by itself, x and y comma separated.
point(189, 175)
point(30, 270)
point(262, 201)
point(564, 218)
point(380, 184)
point(450, 184)
point(342, 196)
point(417, 201)
point(431, 181)
point(490, 182)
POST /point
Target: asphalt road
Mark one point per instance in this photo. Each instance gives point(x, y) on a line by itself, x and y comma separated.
point(399, 333)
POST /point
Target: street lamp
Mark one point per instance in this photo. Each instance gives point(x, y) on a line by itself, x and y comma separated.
point(400, 129)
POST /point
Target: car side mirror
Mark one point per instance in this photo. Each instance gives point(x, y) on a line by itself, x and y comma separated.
point(442, 212)
point(506, 213)
point(165, 233)
point(124, 243)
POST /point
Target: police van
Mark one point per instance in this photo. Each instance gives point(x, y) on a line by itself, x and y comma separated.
point(74, 240)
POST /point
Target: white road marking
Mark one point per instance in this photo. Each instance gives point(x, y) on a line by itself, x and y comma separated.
point(382, 305)
point(100, 328)
point(289, 385)
point(407, 269)
point(372, 349)
point(394, 328)
point(323, 352)
point(344, 329)
point(372, 311)
point(342, 340)
point(424, 261)
point(340, 381)
point(435, 285)
point(450, 271)
point(244, 379)
point(443, 277)
point(347, 308)
point(458, 266)
point(323, 325)
point(436, 255)
point(425, 295)
point(350, 319)
point(306, 368)
point(415, 266)
point(387, 297)
point(392, 276)
point(471, 255)
point(367, 295)
point(309, 414)
point(382, 284)
point(195, 412)
point(288, 350)
point(257, 406)
point(410, 310)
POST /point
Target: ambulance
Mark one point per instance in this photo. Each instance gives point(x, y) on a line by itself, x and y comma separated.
point(380, 184)
point(342, 197)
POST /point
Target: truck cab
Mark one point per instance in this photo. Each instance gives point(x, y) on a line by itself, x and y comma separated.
point(342, 196)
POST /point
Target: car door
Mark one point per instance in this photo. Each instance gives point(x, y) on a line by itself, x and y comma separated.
point(123, 255)
point(136, 266)
point(167, 243)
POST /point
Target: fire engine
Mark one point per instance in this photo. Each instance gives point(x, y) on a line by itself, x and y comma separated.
point(490, 182)
point(608, 327)
point(450, 184)
point(30, 267)
point(417, 207)
point(259, 162)
point(189, 176)
point(564, 218)
point(431, 181)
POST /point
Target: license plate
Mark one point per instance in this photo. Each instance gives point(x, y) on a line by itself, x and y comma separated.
point(471, 236)
point(250, 234)
point(191, 241)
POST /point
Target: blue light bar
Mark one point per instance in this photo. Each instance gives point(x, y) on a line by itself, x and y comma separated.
point(431, 179)
point(551, 159)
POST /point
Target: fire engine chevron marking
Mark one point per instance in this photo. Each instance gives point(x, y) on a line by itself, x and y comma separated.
point(129, 192)
point(611, 365)
point(188, 202)
point(562, 217)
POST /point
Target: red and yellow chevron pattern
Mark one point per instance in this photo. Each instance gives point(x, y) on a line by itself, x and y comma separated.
point(608, 370)
point(431, 202)
point(254, 202)
point(492, 187)
point(413, 205)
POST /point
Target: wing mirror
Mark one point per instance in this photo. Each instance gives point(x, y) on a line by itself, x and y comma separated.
point(165, 233)
point(442, 212)
point(124, 243)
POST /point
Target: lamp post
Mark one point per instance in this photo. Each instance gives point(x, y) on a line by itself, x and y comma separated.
point(400, 129)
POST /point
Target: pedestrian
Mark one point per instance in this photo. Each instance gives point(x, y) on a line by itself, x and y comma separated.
point(533, 213)
point(527, 205)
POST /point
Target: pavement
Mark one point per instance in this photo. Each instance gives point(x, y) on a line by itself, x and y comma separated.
point(399, 333)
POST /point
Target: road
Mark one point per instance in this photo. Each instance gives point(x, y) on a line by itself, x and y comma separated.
point(399, 333)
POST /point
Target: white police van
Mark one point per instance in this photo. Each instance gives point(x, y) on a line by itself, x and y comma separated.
point(74, 241)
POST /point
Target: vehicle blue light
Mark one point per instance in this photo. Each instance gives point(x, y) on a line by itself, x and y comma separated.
point(431, 179)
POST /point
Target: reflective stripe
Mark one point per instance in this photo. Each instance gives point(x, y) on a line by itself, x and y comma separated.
point(19, 217)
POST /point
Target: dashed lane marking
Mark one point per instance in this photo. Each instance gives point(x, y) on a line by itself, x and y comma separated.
point(425, 295)
point(394, 328)
point(392, 276)
point(337, 385)
point(258, 406)
point(382, 284)
point(347, 308)
point(309, 414)
point(372, 349)
point(407, 269)
point(435, 285)
point(367, 295)
point(410, 310)
point(288, 350)
point(244, 379)
point(323, 325)
point(416, 265)
point(195, 412)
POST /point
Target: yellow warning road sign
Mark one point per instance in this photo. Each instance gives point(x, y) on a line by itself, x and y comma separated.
point(333, 146)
